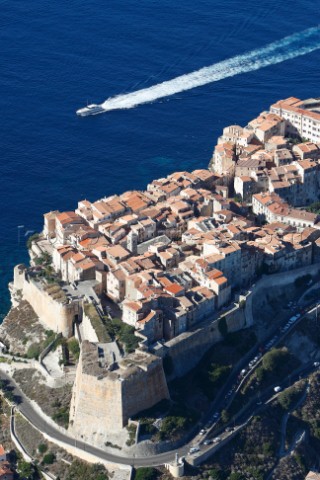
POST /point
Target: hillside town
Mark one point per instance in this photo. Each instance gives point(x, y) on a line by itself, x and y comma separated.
point(173, 254)
point(167, 266)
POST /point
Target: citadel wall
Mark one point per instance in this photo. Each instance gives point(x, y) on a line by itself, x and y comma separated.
point(186, 350)
point(56, 316)
point(103, 399)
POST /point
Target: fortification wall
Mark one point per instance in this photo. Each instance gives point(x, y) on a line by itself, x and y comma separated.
point(187, 349)
point(56, 316)
point(143, 389)
point(96, 405)
point(102, 404)
point(88, 331)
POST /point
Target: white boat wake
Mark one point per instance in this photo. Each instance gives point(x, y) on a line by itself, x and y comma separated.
point(287, 48)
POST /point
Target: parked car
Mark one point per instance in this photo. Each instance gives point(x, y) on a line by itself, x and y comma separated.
point(194, 449)
point(277, 389)
point(207, 442)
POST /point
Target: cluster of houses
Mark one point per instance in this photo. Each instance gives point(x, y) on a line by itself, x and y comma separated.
point(262, 157)
point(171, 255)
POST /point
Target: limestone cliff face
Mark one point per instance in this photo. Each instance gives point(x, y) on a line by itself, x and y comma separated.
point(105, 396)
point(21, 328)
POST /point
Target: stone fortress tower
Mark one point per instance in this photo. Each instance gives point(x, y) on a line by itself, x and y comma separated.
point(109, 389)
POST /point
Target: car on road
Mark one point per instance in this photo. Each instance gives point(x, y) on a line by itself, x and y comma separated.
point(194, 450)
point(207, 442)
point(202, 431)
point(216, 440)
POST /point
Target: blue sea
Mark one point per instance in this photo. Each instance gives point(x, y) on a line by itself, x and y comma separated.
point(57, 55)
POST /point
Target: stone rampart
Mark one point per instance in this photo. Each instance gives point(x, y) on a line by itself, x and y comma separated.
point(104, 398)
point(88, 331)
point(56, 316)
point(187, 349)
point(143, 387)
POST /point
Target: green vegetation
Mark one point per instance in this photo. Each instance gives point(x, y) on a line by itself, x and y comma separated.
point(34, 351)
point(147, 473)
point(42, 448)
point(237, 198)
point(275, 359)
point(314, 207)
point(297, 139)
point(222, 326)
point(32, 238)
point(28, 471)
point(79, 470)
point(97, 323)
point(112, 445)
point(174, 425)
point(212, 377)
point(62, 416)
point(237, 476)
point(216, 474)
point(124, 333)
point(225, 417)
point(177, 420)
point(132, 429)
point(107, 329)
point(49, 458)
point(289, 397)
point(74, 347)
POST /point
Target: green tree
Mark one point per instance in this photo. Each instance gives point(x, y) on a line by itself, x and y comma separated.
point(216, 474)
point(49, 458)
point(42, 448)
point(27, 471)
point(236, 476)
point(275, 359)
point(289, 397)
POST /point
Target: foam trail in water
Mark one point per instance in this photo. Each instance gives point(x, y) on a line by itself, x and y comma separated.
point(289, 47)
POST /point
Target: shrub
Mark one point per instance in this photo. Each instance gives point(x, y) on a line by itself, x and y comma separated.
point(42, 448)
point(74, 347)
point(274, 359)
point(216, 474)
point(31, 239)
point(33, 351)
point(49, 458)
point(147, 473)
point(289, 397)
point(84, 471)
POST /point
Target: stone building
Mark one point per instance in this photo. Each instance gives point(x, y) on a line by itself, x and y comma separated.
point(109, 389)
